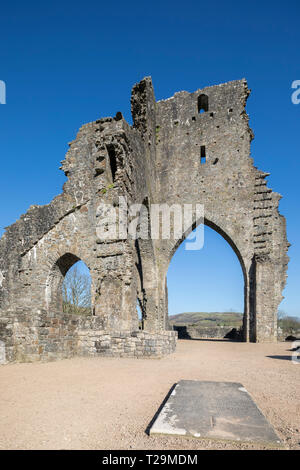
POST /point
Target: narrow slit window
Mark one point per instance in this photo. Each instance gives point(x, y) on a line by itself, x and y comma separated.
point(112, 160)
point(202, 154)
point(202, 104)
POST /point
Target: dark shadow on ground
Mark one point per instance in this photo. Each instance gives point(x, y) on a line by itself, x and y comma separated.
point(283, 358)
point(219, 340)
point(147, 430)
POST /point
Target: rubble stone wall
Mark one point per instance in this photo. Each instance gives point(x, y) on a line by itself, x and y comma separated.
point(193, 148)
point(47, 336)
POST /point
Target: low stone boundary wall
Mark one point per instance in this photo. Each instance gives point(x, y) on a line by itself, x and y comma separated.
point(205, 332)
point(282, 335)
point(126, 344)
point(44, 336)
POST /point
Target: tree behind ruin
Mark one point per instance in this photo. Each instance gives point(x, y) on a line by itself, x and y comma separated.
point(76, 291)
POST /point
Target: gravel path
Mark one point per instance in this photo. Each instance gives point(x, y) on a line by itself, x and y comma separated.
point(106, 403)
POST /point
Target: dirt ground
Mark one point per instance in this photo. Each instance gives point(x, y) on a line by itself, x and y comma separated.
point(106, 403)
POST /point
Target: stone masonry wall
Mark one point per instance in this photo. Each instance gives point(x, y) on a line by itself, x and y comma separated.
point(193, 148)
point(202, 332)
point(47, 336)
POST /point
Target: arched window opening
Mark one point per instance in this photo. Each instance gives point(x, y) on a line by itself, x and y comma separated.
point(206, 289)
point(76, 290)
point(202, 103)
point(68, 286)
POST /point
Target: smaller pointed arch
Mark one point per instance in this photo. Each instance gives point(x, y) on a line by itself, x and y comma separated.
point(59, 296)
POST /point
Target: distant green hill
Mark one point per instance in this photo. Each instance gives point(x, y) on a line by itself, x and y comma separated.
point(207, 319)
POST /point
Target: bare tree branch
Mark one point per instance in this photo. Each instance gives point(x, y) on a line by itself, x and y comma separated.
point(76, 292)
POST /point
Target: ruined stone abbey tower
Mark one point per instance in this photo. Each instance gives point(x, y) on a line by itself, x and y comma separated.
point(191, 148)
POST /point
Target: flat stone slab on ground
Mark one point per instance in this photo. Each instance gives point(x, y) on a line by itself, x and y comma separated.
point(213, 410)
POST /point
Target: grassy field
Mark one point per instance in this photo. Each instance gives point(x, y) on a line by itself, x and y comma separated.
point(207, 319)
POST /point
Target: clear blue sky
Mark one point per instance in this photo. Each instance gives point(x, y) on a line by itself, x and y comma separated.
point(67, 63)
